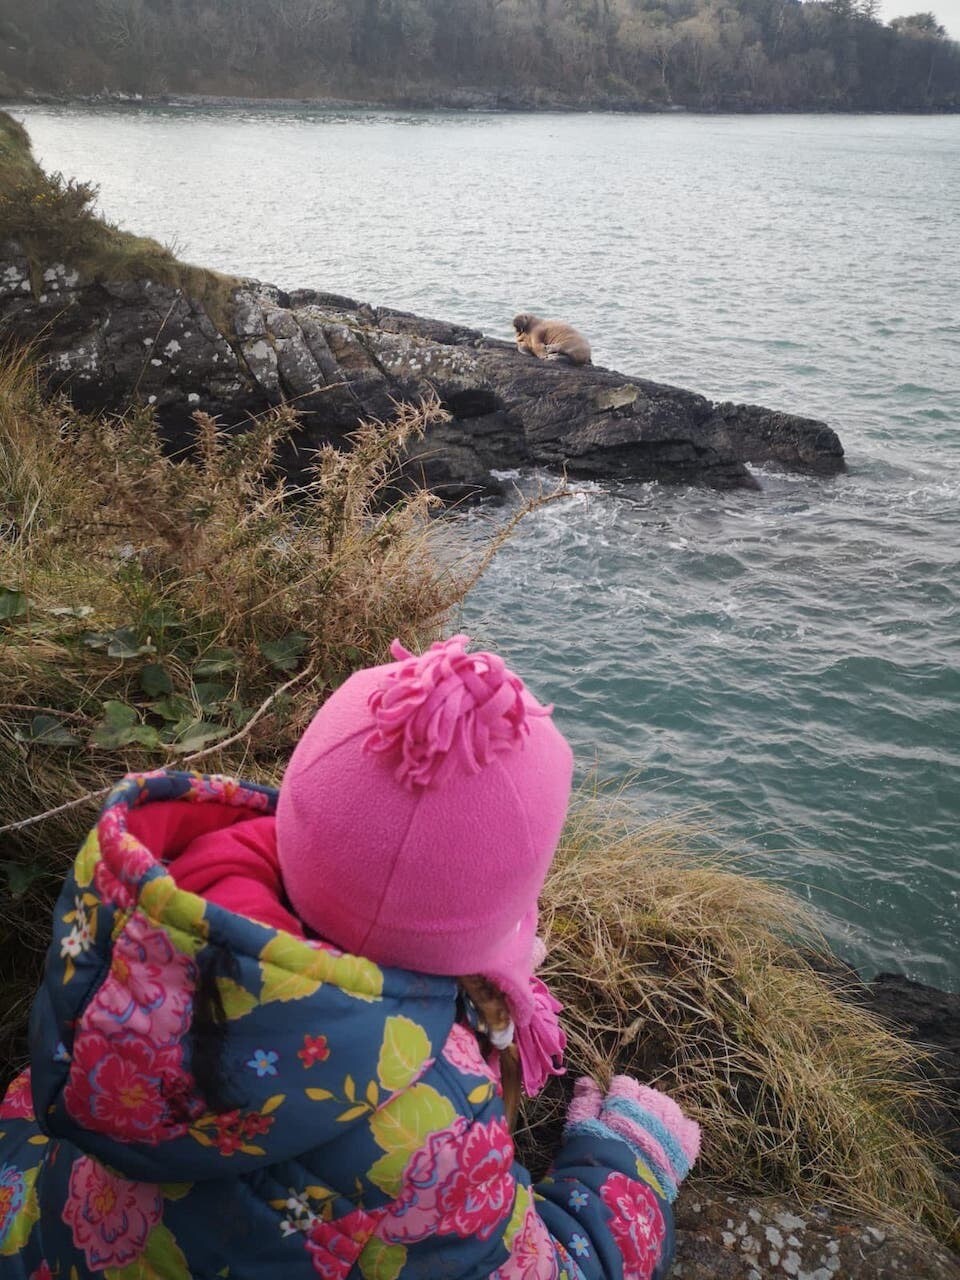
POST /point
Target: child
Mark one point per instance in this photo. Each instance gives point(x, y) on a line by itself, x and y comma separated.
point(252, 1056)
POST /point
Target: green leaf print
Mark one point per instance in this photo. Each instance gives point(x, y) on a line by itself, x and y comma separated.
point(292, 970)
point(26, 1216)
point(380, 1261)
point(521, 1203)
point(405, 1049)
point(403, 1126)
point(86, 860)
point(387, 1172)
point(237, 1000)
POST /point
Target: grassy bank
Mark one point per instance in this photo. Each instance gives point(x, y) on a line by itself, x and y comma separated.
point(54, 219)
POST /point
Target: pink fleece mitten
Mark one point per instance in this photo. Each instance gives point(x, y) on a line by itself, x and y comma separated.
point(648, 1121)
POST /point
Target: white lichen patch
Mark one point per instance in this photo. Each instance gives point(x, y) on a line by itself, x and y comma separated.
point(172, 347)
point(789, 1221)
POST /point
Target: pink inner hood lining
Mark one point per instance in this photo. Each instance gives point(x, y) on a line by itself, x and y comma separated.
point(221, 855)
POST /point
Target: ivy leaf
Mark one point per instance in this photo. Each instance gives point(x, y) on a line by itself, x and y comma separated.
point(154, 680)
point(121, 727)
point(284, 654)
point(216, 662)
point(199, 734)
point(404, 1050)
point(124, 643)
point(209, 693)
point(48, 731)
point(175, 708)
point(161, 619)
point(20, 876)
point(239, 712)
point(12, 603)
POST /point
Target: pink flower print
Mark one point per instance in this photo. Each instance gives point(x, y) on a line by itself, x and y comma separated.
point(109, 1217)
point(123, 861)
point(42, 1272)
point(636, 1224)
point(109, 888)
point(479, 1193)
point(463, 1052)
point(335, 1246)
point(149, 989)
point(532, 1256)
point(415, 1214)
point(18, 1102)
point(12, 1195)
point(458, 1183)
point(314, 1050)
point(217, 786)
point(121, 1087)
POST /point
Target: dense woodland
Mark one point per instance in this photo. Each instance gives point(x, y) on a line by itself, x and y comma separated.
point(707, 54)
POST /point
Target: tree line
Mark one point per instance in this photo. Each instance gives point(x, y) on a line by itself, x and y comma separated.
point(704, 54)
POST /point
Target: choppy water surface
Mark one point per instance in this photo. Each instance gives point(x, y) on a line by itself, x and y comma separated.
point(787, 660)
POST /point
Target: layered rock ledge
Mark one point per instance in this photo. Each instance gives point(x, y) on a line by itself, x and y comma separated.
point(339, 361)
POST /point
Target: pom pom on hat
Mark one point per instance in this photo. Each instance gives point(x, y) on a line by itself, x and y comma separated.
point(446, 707)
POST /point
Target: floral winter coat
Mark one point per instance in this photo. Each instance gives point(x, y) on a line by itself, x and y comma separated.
point(367, 1136)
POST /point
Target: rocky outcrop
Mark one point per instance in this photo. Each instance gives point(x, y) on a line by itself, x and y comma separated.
point(735, 1237)
point(728, 1237)
point(340, 361)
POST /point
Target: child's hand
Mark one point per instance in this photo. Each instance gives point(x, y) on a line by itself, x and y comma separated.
point(648, 1121)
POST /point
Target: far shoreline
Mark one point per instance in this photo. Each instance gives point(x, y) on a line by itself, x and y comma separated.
point(456, 102)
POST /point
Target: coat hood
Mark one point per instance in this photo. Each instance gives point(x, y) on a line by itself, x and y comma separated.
point(133, 962)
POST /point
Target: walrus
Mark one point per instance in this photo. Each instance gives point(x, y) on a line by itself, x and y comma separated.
point(551, 340)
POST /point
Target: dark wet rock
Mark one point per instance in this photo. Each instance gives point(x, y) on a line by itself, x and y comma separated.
point(929, 1018)
point(728, 1237)
point(340, 361)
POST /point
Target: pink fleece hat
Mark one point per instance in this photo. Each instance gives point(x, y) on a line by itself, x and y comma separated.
point(419, 814)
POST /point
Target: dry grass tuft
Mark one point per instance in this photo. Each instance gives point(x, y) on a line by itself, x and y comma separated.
point(695, 977)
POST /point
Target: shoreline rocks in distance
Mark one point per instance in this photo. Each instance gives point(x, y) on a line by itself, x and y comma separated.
point(340, 361)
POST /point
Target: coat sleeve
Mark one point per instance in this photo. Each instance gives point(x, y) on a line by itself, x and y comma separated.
point(605, 1212)
point(604, 1209)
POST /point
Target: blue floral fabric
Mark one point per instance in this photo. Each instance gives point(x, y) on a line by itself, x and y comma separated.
point(362, 1132)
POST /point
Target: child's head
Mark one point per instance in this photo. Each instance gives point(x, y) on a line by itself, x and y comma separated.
point(420, 812)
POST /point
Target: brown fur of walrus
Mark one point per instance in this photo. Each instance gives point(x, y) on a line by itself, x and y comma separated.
point(551, 339)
